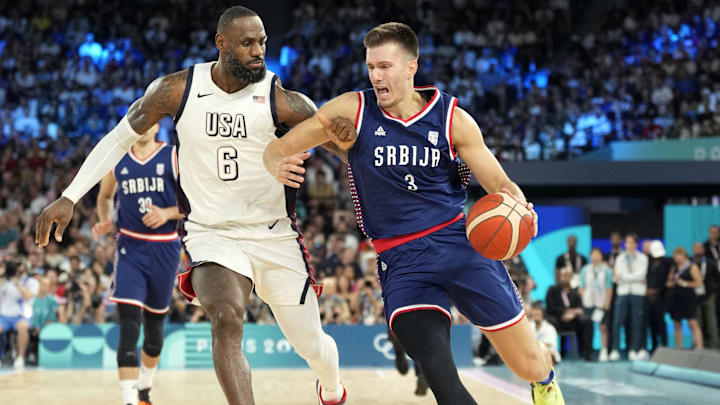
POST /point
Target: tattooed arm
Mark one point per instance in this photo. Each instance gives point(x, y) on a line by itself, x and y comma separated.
point(333, 123)
point(163, 96)
point(293, 108)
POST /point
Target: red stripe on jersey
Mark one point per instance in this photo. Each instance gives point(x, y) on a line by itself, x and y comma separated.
point(359, 110)
point(451, 146)
point(382, 245)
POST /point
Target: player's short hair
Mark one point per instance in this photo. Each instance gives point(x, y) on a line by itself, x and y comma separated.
point(231, 14)
point(393, 32)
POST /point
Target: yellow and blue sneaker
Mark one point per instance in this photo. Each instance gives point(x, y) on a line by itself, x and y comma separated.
point(547, 394)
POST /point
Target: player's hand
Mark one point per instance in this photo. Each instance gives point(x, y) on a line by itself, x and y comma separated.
point(59, 212)
point(289, 170)
point(101, 228)
point(155, 217)
point(340, 130)
point(530, 206)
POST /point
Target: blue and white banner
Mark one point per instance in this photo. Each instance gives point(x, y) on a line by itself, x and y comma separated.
point(190, 346)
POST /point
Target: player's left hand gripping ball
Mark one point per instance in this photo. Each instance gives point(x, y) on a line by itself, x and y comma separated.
point(530, 206)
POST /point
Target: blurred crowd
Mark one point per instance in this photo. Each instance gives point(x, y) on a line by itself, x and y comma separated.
point(630, 289)
point(537, 88)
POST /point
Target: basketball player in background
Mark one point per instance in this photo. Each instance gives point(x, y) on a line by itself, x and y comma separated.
point(240, 229)
point(146, 258)
point(409, 191)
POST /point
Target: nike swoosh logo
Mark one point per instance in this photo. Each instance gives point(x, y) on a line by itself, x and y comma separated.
point(203, 95)
point(273, 225)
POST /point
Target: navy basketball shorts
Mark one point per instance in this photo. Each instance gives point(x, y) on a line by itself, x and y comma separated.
point(442, 269)
point(145, 273)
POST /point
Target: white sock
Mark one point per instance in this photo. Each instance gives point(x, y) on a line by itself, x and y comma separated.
point(302, 328)
point(129, 392)
point(145, 378)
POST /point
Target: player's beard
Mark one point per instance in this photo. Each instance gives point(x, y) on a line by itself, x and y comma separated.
point(242, 72)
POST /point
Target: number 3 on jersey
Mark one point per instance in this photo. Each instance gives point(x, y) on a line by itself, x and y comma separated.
point(227, 165)
point(411, 182)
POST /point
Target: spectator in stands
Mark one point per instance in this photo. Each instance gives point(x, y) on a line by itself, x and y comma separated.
point(630, 274)
point(596, 291)
point(565, 311)
point(645, 247)
point(571, 259)
point(45, 307)
point(180, 311)
point(544, 331)
point(8, 233)
point(616, 249)
point(707, 297)
point(17, 293)
point(655, 303)
point(53, 258)
point(683, 279)
point(85, 301)
point(712, 245)
point(369, 309)
point(333, 308)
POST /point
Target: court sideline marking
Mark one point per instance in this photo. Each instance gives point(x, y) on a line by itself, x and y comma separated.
point(516, 391)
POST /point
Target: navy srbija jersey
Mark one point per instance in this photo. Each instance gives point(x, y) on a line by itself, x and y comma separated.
point(404, 174)
point(143, 183)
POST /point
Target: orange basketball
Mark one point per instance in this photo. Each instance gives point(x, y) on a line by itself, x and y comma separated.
point(499, 227)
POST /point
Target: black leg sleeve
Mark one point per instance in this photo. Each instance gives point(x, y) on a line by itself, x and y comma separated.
point(425, 335)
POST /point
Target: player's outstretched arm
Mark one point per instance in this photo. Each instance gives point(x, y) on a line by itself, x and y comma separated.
point(470, 146)
point(163, 96)
point(334, 122)
point(294, 107)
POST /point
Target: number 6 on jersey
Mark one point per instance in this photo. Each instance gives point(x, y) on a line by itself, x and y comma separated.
point(227, 165)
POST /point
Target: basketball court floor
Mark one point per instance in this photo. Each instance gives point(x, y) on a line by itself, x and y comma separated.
point(583, 383)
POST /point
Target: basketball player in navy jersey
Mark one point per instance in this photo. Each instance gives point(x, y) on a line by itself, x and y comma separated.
point(147, 255)
point(409, 192)
point(240, 227)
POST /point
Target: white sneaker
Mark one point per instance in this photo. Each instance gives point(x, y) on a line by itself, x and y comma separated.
point(643, 355)
point(632, 355)
point(479, 361)
point(614, 355)
point(19, 362)
point(603, 356)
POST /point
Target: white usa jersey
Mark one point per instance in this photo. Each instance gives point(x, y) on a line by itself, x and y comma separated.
point(221, 140)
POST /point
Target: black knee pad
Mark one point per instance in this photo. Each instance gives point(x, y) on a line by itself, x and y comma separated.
point(129, 321)
point(153, 333)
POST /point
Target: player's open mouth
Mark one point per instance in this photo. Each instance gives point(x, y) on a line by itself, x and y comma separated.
point(382, 90)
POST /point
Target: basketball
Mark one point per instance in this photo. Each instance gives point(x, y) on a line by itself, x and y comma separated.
point(499, 227)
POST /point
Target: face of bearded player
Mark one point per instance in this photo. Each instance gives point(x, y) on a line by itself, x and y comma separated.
point(244, 53)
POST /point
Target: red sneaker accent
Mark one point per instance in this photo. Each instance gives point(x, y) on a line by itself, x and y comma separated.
point(340, 401)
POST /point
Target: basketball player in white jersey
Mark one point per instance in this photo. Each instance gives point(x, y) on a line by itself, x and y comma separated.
point(240, 226)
